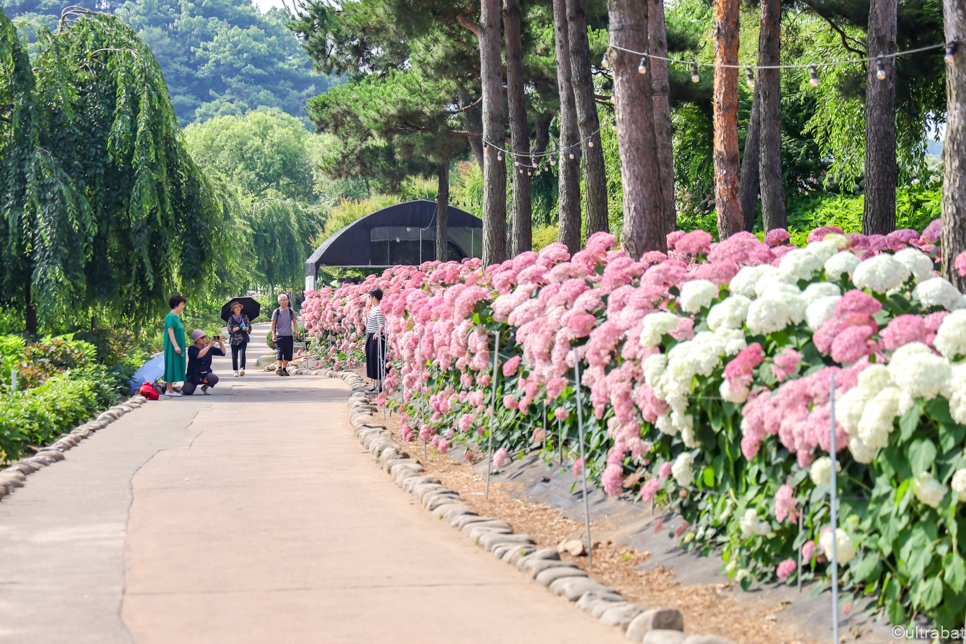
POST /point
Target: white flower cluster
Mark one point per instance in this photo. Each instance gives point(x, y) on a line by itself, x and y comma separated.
point(844, 549)
point(768, 315)
point(880, 274)
point(697, 294)
point(919, 372)
point(867, 412)
point(918, 263)
point(730, 313)
point(959, 484)
point(821, 311)
point(821, 470)
point(801, 263)
point(938, 291)
point(655, 326)
point(841, 264)
point(820, 291)
point(751, 524)
point(682, 470)
point(928, 490)
point(744, 282)
point(951, 337)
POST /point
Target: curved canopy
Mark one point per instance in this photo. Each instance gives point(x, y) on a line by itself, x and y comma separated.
point(401, 234)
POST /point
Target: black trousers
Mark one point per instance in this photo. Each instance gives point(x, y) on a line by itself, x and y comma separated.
point(189, 387)
point(373, 350)
point(238, 351)
point(285, 346)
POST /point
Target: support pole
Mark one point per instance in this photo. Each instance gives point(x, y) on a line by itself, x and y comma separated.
point(583, 463)
point(489, 449)
point(419, 385)
point(835, 563)
point(382, 369)
point(801, 525)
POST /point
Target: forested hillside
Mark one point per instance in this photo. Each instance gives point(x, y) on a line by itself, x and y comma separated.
point(218, 57)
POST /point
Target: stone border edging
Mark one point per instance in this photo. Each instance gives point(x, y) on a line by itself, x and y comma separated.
point(14, 475)
point(543, 565)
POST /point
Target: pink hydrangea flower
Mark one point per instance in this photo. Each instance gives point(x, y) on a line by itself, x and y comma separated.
point(694, 243)
point(500, 457)
point(776, 237)
point(786, 364)
point(577, 467)
point(933, 232)
point(960, 264)
point(786, 505)
point(560, 413)
point(808, 550)
point(904, 329)
point(852, 344)
point(650, 489)
point(786, 568)
point(556, 386)
point(511, 366)
point(665, 470)
point(819, 233)
point(856, 301)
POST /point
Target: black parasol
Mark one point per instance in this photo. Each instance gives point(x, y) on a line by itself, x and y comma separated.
point(250, 308)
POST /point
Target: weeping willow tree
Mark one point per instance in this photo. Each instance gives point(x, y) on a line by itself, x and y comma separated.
point(100, 204)
point(282, 230)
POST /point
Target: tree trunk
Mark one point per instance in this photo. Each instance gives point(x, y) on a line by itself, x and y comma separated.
point(657, 43)
point(519, 131)
point(494, 170)
point(750, 184)
point(881, 171)
point(30, 313)
point(954, 147)
point(473, 122)
point(568, 171)
point(542, 136)
point(769, 87)
point(591, 151)
point(726, 170)
point(442, 212)
point(645, 224)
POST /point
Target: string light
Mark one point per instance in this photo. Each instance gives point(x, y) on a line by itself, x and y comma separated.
point(553, 161)
point(603, 61)
point(751, 78)
point(529, 174)
point(516, 163)
point(590, 143)
point(499, 156)
point(879, 69)
point(571, 156)
point(642, 68)
point(694, 72)
point(950, 52)
point(813, 76)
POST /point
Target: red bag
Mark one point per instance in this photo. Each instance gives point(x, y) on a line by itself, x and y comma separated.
point(148, 391)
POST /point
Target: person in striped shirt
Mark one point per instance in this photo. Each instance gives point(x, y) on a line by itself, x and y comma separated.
point(375, 341)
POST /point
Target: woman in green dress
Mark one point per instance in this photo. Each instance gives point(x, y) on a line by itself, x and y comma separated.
point(174, 346)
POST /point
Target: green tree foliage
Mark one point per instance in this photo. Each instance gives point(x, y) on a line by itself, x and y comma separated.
point(101, 204)
point(218, 57)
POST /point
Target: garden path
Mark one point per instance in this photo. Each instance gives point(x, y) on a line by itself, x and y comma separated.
point(251, 515)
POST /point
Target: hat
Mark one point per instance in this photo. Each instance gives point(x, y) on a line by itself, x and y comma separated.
point(231, 307)
point(198, 333)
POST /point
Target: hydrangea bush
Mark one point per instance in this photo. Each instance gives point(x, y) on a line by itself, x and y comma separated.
point(707, 375)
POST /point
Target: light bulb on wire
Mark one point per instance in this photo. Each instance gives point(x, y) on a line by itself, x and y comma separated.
point(950, 52)
point(879, 69)
point(590, 143)
point(813, 75)
point(571, 156)
point(750, 78)
point(603, 61)
point(499, 156)
point(642, 68)
point(516, 162)
point(553, 161)
point(694, 72)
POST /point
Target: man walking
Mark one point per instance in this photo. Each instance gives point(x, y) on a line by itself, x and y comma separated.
point(284, 328)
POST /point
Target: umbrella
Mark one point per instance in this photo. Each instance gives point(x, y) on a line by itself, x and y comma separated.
point(150, 372)
point(250, 307)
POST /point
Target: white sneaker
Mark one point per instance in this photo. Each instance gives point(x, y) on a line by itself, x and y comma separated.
point(236, 374)
point(241, 373)
point(174, 393)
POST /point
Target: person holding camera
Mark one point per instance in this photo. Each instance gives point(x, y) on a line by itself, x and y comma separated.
point(284, 329)
point(200, 354)
point(238, 336)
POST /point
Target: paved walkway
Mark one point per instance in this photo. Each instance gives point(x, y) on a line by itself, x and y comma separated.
point(251, 515)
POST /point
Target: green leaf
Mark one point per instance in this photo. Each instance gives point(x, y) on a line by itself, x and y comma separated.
point(896, 613)
point(867, 568)
point(709, 476)
point(909, 422)
point(956, 572)
point(931, 592)
point(922, 454)
point(951, 436)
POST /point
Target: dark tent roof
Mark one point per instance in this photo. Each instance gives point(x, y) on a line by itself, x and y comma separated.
point(394, 232)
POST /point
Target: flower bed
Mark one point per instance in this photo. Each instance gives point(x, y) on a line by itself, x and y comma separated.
point(706, 376)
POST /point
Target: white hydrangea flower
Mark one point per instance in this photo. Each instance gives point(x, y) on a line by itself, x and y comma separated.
point(801, 263)
point(821, 311)
point(744, 282)
point(878, 416)
point(920, 372)
point(681, 469)
point(938, 291)
point(821, 470)
point(875, 378)
point(951, 337)
point(688, 438)
point(880, 274)
point(918, 263)
point(655, 326)
point(861, 452)
point(841, 241)
point(928, 490)
point(819, 290)
point(776, 280)
point(959, 484)
point(841, 264)
point(751, 524)
point(732, 340)
point(736, 395)
point(826, 248)
point(844, 549)
point(848, 410)
point(697, 294)
point(665, 426)
point(654, 368)
point(768, 315)
point(730, 313)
